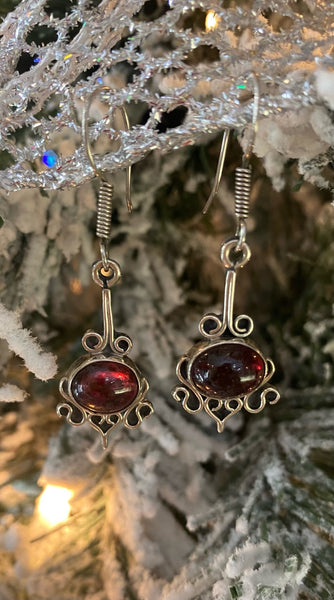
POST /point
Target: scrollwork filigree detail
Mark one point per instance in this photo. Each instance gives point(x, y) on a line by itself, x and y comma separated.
point(243, 326)
point(218, 325)
point(182, 393)
point(274, 392)
point(68, 407)
point(263, 400)
point(254, 409)
point(213, 326)
point(122, 344)
point(219, 404)
point(139, 413)
point(270, 370)
point(104, 424)
point(92, 341)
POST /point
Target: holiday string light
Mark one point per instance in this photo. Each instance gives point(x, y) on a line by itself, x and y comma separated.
point(54, 505)
point(211, 20)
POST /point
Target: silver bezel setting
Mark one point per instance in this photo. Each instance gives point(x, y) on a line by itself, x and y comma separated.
point(102, 422)
point(187, 393)
point(197, 350)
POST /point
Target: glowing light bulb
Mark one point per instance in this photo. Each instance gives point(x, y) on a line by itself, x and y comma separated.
point(53, 505)
point(211, 20)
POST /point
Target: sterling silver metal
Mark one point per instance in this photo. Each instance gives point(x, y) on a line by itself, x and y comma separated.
point(126, 124)
point(219, 330)
point(219, 172)
point(242, 192)
point(106, 191)
point(104, 210)
point(225, 328)
point(243, 173)
point(106, 278)
point(226, 321)
point(104, 423)
point(256, 103)
point(107, 346)
point(188, 393)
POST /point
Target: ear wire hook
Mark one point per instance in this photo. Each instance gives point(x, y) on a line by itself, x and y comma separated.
point(247, 154)
point(126, 124)
point(219, 171)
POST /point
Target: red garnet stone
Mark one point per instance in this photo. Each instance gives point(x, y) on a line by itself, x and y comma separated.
point(227, 370)
point(105, 387)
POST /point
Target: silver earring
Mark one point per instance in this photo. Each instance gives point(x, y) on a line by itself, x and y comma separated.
point(221, 374)
point(105, 388)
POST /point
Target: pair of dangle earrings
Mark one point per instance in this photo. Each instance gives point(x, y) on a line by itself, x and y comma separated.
point(219, 375)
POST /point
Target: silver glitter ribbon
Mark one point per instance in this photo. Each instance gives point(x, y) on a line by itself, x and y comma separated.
point(42, 106)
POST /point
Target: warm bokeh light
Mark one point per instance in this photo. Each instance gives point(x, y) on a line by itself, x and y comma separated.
point(211, 20)
point(75, 285)
point(53, 504)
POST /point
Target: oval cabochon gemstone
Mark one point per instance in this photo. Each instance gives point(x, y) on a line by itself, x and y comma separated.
point(105, 387)
point(227, 370)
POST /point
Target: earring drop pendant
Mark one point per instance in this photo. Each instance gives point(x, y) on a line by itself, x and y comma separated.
point(105, 388)
point(221, 374)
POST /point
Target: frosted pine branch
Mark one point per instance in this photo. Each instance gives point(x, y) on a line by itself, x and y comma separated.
point(20, 341)
point(11, 393)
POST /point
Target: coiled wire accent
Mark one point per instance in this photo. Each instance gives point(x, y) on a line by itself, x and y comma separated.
point(242, 192)
point(104, 210)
